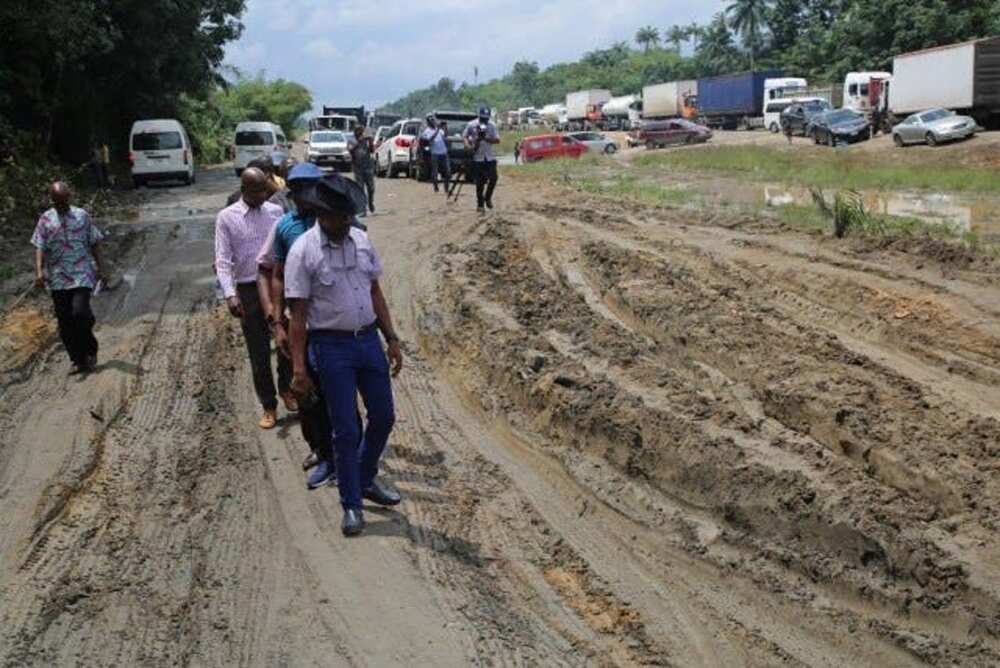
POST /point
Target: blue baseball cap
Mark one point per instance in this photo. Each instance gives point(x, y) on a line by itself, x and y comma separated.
point(304, 171)
point(484, 112)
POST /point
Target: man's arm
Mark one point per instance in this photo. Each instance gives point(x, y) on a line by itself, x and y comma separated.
point(384, 320)
point(278, 304)
point(264, 274)
point(39, 267)
point(224, 268)
point(99, 260)
point(301, 384)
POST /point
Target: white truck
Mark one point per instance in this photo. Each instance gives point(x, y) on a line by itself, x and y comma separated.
point(670, 100)
point(583, 108)
point(551, 114)
point(621, 113)
point(961, 77)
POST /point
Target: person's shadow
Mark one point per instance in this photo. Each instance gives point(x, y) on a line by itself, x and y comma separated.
point(394, 523)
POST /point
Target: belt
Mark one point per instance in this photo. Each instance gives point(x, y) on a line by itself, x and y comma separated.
point(346, 333)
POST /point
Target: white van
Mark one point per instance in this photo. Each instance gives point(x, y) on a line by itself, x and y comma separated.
point(160, 150)
point(258, 139)
point(772, 113)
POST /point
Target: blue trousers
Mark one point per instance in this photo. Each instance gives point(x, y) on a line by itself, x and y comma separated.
point(347, 366)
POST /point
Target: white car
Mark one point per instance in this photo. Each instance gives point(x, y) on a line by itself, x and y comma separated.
point(393, 155)
point(595, 142)
point(160, 150)
point(328, 148)
point(259, 139)
point(380, 134)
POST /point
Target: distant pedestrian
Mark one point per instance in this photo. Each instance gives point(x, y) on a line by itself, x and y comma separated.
point(338, 308)
point(481, 137)
point(240, 232)
point(786, 128)
point(68, 262)
point(361, 149)
point(99, 159)
point(436, 137)
point(517, 151)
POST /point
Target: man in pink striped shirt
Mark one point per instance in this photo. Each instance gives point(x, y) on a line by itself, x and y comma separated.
point(240, 231)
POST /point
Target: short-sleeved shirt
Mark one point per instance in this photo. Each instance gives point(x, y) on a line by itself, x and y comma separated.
point(361, 154)
point(436, 138)
point(67, 245)
point(336, 279)
point(485, 152)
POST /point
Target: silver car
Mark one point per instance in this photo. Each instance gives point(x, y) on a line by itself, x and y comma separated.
point(595, 142)
point(932, 127)
point(328, 148)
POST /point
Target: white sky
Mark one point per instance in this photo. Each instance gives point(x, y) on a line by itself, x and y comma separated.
point(351, 52)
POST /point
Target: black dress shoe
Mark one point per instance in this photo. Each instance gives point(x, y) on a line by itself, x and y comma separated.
point(310, 461)
point(381, 495)
point(353, 523)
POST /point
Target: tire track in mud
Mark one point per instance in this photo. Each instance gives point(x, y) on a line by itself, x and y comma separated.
point(498, 265)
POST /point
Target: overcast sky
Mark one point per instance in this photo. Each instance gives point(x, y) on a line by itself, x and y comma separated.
point(370, 52)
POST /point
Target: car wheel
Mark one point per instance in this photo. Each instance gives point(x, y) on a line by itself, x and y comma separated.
point(188, 180)
point(774, 128)
point(830, 141)
point(931, 139)
point(610, 148)
point(393, 172)
point(897, 140)
point(815, 136)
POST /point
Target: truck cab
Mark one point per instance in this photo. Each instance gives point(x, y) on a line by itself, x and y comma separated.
point(783, 87)
point(338, 122)
point(859, 89)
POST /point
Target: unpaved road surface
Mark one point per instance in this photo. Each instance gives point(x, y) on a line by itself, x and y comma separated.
point(624, 437)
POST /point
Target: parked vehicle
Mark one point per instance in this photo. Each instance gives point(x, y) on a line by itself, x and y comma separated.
point(595, 142)
point(858, 89)
point(733, 101)
point(933, 127)
point(160, 151)
point(377, 119)
point(784, 88)
point(358, 113)
point(380, 135)
point(963, 77)
point(674, 99)
point(458, 154)
point(542, 147)
point(393, 155)
point(657, 134)
point(620, 113)
point(583, 108)
point(799, 114)
point(328, 148)
point(837, 126)
point(258, 139)
point(553, 114)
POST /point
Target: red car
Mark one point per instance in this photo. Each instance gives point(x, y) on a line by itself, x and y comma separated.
point(657, 134)
point(551, 146)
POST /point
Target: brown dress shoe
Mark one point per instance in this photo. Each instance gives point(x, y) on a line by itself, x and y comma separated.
point(291, 403)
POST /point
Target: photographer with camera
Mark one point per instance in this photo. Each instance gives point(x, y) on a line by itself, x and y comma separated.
point(435, 136)
point(480, 137)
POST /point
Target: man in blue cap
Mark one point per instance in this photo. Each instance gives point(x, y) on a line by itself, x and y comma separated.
point(480, 137)
point(338, 308)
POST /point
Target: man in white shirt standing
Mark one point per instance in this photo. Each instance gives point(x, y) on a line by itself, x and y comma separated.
point(436, 136)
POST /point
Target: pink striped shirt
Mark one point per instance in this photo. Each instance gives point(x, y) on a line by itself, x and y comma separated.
point(239, 234)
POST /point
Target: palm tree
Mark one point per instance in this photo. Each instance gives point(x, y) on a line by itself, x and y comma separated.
point(647, 37)
point(693, 32)
point(675, 35)
point(748, 19)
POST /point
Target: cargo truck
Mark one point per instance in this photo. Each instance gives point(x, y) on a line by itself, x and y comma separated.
point(961, 77)
point(734, 101)
point(357, 112)
point(675, 99)
point(621, 113)
point(583, 108)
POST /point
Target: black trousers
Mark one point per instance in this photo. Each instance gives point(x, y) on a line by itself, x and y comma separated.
point(485, 174)
point(257, 335)
point(315, 422)
point(366, 179)
point(440, 164)
point(76, 323)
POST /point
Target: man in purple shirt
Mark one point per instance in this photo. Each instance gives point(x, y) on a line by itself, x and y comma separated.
point(331, 284)
point(240, 231)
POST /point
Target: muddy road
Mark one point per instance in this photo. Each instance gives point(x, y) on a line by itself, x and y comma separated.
point(624, 437)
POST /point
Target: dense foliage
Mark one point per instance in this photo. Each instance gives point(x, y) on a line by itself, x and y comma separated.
point(818, 39)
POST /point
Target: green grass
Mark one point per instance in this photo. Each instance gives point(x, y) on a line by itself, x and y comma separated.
point(825, 169)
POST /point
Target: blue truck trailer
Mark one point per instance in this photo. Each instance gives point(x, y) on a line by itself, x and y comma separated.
point(734, 101)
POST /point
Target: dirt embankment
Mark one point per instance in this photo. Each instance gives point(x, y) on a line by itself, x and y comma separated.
point(822, 423)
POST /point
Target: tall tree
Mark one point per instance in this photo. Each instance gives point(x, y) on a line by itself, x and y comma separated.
point(749, 19)
point(693, 33)
point(676, 35)
point(647, 37)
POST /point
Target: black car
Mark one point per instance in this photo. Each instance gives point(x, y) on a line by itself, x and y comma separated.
point(841, 125)
point(458, 154)
point(799, 115)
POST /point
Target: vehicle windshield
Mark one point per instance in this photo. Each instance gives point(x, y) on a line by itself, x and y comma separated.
point(156, 141)
point(327, 137)
point(816, 105)
point(254, 138)
point(842, 116)
point(935, 115)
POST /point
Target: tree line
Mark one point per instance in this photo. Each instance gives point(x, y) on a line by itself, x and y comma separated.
point(818, 39)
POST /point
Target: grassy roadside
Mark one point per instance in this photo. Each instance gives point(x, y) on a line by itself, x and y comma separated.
point(824, 169)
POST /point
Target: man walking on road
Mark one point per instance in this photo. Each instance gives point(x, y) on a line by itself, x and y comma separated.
point(331, 283)
point(68, 261)
point(480, 137)
point(436, 137)
point(240, 232)
point(361, 149)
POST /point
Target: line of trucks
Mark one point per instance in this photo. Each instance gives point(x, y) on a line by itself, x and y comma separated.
point(962, 77)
